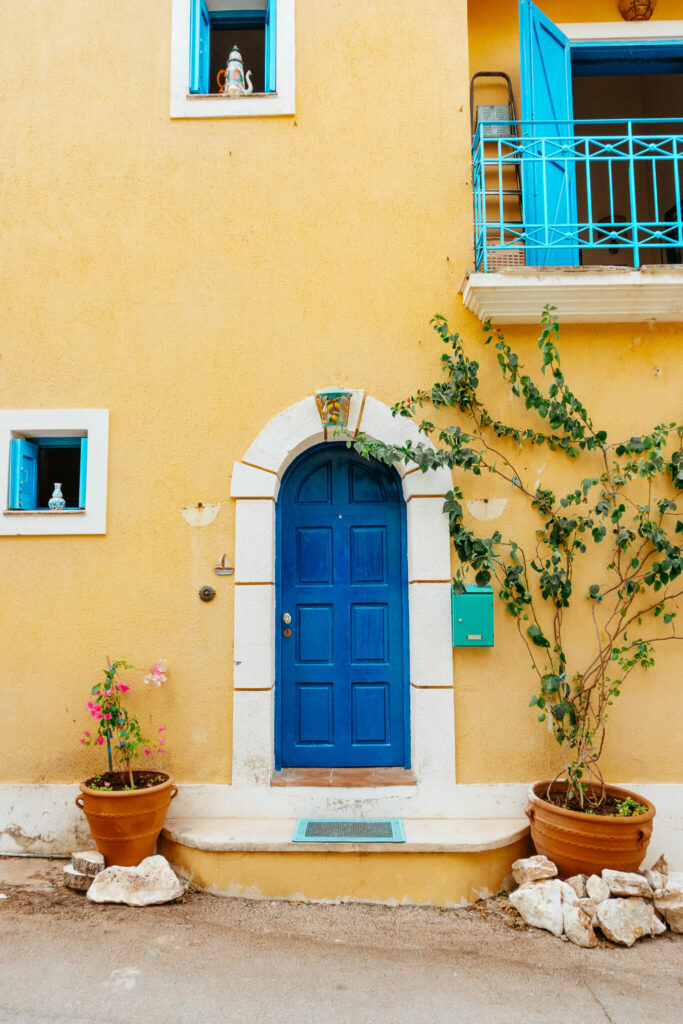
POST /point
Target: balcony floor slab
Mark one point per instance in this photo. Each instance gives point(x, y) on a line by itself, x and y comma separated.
point(581, 295)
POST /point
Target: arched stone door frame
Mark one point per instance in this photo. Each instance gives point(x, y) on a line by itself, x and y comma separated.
point(255, 486)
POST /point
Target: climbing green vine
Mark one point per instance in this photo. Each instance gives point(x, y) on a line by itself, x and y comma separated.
point(623, 517)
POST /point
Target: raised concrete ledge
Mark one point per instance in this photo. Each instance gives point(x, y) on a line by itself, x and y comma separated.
point(274, 835)
point(582, 295)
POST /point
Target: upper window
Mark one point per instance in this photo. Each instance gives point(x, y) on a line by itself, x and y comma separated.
point(216, 36)
point(232, 58)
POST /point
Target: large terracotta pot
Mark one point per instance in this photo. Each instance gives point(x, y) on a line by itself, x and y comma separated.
point(126, 825)
point(581, 843)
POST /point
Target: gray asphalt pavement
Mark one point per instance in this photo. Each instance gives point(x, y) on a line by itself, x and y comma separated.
point(207, 959)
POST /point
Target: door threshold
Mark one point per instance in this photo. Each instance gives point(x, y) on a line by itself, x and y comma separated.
point(343, 777)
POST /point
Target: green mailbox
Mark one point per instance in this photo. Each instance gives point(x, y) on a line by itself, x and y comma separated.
point(472, 614)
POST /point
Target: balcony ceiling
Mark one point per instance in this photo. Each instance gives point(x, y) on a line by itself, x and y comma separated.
point(582, 295)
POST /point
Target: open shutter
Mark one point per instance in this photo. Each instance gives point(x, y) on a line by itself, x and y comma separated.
point(548, 177)
point(271, 47)
point(23, 474)
point(200, 33)
point(83, 472)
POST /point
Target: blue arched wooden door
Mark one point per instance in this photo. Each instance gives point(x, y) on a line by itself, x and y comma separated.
point(342, 656)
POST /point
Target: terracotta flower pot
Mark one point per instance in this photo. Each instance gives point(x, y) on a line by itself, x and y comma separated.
point(126, 824)
point(581, 843)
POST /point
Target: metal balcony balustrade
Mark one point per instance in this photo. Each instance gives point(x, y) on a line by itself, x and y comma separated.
point(610, 185)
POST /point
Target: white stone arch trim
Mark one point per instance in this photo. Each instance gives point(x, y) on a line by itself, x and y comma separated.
point(255, 486)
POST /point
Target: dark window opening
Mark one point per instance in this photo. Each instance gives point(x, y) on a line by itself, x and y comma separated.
point(251, 42)
point(651, 195)
point(59, 465)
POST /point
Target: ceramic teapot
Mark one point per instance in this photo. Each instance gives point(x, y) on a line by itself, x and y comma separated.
point(231, 79)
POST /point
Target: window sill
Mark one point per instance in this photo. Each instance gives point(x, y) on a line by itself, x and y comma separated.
point(582, 295)
point(43, 512)
point(258, 104)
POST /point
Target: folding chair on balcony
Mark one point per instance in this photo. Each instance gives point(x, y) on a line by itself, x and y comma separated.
point(501, 118)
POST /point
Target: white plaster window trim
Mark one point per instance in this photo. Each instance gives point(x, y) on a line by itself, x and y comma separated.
point(90, 423)
point(621, 31)
point(432, 725)
point(186, 105)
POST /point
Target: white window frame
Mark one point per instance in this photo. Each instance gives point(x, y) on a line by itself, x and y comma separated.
point(29, 423)
point(186, 105)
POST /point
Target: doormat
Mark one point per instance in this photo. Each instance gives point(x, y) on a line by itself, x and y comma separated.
point(348, 830)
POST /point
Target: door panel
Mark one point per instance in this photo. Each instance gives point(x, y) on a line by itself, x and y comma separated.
point(341, 568)
point(548, 178)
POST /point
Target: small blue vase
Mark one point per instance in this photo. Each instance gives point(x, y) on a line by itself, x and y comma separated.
point(56, 502)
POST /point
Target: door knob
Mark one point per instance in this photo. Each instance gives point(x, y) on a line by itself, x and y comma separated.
point(286, 618)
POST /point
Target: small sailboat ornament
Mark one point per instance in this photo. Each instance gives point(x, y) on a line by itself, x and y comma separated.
point(223, 567)
point(231, 79)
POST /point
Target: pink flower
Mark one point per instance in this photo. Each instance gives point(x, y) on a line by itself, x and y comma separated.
point(90, 705)
point(162, 728)
point(86, 733)
point(147, 752)
point(123, 687)
point(99, 740)
point(82, 741)
point(110, 693)
point(108, 717)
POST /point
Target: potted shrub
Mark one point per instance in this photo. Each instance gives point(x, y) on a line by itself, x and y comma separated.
point(606, 544)
point(125, 807)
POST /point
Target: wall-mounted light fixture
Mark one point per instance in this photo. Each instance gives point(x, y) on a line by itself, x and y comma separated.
point(333, 406)
point(637, 10)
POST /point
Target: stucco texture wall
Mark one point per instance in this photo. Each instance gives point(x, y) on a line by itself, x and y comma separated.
point(197, 277)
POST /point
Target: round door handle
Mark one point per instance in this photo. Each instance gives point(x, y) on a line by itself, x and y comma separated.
point(287, 632)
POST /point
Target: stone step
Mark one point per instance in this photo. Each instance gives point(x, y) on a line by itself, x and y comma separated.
point(444, 862)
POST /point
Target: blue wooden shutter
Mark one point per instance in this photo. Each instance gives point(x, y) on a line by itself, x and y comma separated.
point(548, 178)
point(23, 474)
point(83, 472)
point(200, 38)
point(271, 46)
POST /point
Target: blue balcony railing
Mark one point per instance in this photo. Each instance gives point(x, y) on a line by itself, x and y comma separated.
point(553, 193)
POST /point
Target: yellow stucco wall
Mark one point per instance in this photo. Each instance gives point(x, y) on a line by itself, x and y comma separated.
point(197, 277)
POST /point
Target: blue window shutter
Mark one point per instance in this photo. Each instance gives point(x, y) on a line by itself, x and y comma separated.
point(549, 185)
point(23, 474)
point(271, 46)
point(200, 33)
point(83, 472)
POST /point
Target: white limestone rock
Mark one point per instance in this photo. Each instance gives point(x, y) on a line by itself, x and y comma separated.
point(627, 883)
point(76, 879)
point(578, 927)
point(674, 919)
point(88, 862)
point(569, 897)
point(152, 881)
point(671, 896)
point(533, 869)
point(657, 874)
point(578, 884)
point(589, 907)
point(625, 920)
point(655, 878)
point(540, 905)
point(596, 889)
point(661, 865)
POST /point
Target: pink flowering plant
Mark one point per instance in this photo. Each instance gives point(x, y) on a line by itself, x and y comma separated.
point(118, 728)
